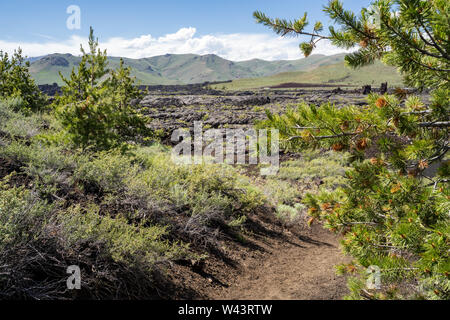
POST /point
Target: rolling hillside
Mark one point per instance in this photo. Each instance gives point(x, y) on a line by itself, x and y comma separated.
point(337, 74)
point(181, 69)
point(190, 68)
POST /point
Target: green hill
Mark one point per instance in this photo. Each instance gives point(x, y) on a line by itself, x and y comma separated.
point(180, 69)
point(191, 68)
point(46, 70)
point(337, 74)
point(261, 68)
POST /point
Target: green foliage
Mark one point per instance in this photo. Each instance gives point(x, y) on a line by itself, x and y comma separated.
point(393, 222)
point(328, 167)
point(282, 26)
point(238, 222)
point(313, 172)
point(279, 191)
point(409, 34)
point(290, 215)
point(135, 245)
point(150, 183)
point(15, 123)
point(38, 240)
point(106, 172)
point(22, 215)
point(392, 213)
point(16, 82)
point(95, 107)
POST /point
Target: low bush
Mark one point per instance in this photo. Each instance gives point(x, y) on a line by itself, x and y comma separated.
point(151, 186)
point(327, 167)
point(290, 216)
point(38, 241)
point(140, 246)
point(16, 124)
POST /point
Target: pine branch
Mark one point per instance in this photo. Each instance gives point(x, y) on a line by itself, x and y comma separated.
point(326, 137)
point(429, 67)
point(339, 14)
point(283, 27)
point(438, 124)
point(357, 223)
point(416, 112)
point(434, 43)
point(410, 44)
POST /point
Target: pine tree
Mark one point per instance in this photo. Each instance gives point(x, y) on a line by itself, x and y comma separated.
point(95, 105)
point(409, 34)
point(392, 213)
point(16, 81)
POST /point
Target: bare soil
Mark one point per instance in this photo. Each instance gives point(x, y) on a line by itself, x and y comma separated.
point(300, 269)
point(271, 264)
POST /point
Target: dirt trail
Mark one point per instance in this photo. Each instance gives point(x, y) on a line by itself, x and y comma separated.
point(301, 268)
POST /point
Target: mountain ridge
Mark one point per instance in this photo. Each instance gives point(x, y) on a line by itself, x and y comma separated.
point(180, 68)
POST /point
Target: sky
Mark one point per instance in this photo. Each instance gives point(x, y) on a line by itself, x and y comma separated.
point(140, 29)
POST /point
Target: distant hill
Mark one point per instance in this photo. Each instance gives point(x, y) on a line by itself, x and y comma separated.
point(190, 68)
point(334, 74)
point(180, 69)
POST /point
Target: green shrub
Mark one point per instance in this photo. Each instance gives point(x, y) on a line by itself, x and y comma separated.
point(22, 215)
point(136, 245)
point(105, 171)
point(95, 106)
point(281, 192)
point(38, 241)
point(291, 215)
point(50, 167)
point(16, 83)
point(17, 124)
point(147, 186)
point(328, 167)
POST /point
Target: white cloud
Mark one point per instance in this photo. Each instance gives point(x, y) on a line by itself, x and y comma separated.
point(236, 47)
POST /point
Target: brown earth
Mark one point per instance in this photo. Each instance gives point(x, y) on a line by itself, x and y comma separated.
point(272, 263)
point(301, 269)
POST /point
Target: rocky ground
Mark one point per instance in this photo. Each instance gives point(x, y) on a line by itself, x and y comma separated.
point(172, 110)
point(178, 106)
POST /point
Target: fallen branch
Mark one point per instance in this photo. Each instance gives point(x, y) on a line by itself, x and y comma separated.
point(438, 124)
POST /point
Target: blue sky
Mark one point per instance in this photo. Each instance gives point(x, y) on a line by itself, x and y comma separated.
point(139, 28)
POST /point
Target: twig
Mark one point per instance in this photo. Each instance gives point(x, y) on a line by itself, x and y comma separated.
point(326, 137)
point(438, 124)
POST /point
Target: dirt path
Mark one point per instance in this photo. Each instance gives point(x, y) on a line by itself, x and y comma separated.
point(298, 269)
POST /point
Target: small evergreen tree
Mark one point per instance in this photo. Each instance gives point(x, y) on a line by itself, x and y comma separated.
point(16, 81)
point(95, 105)
point(393, 213)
